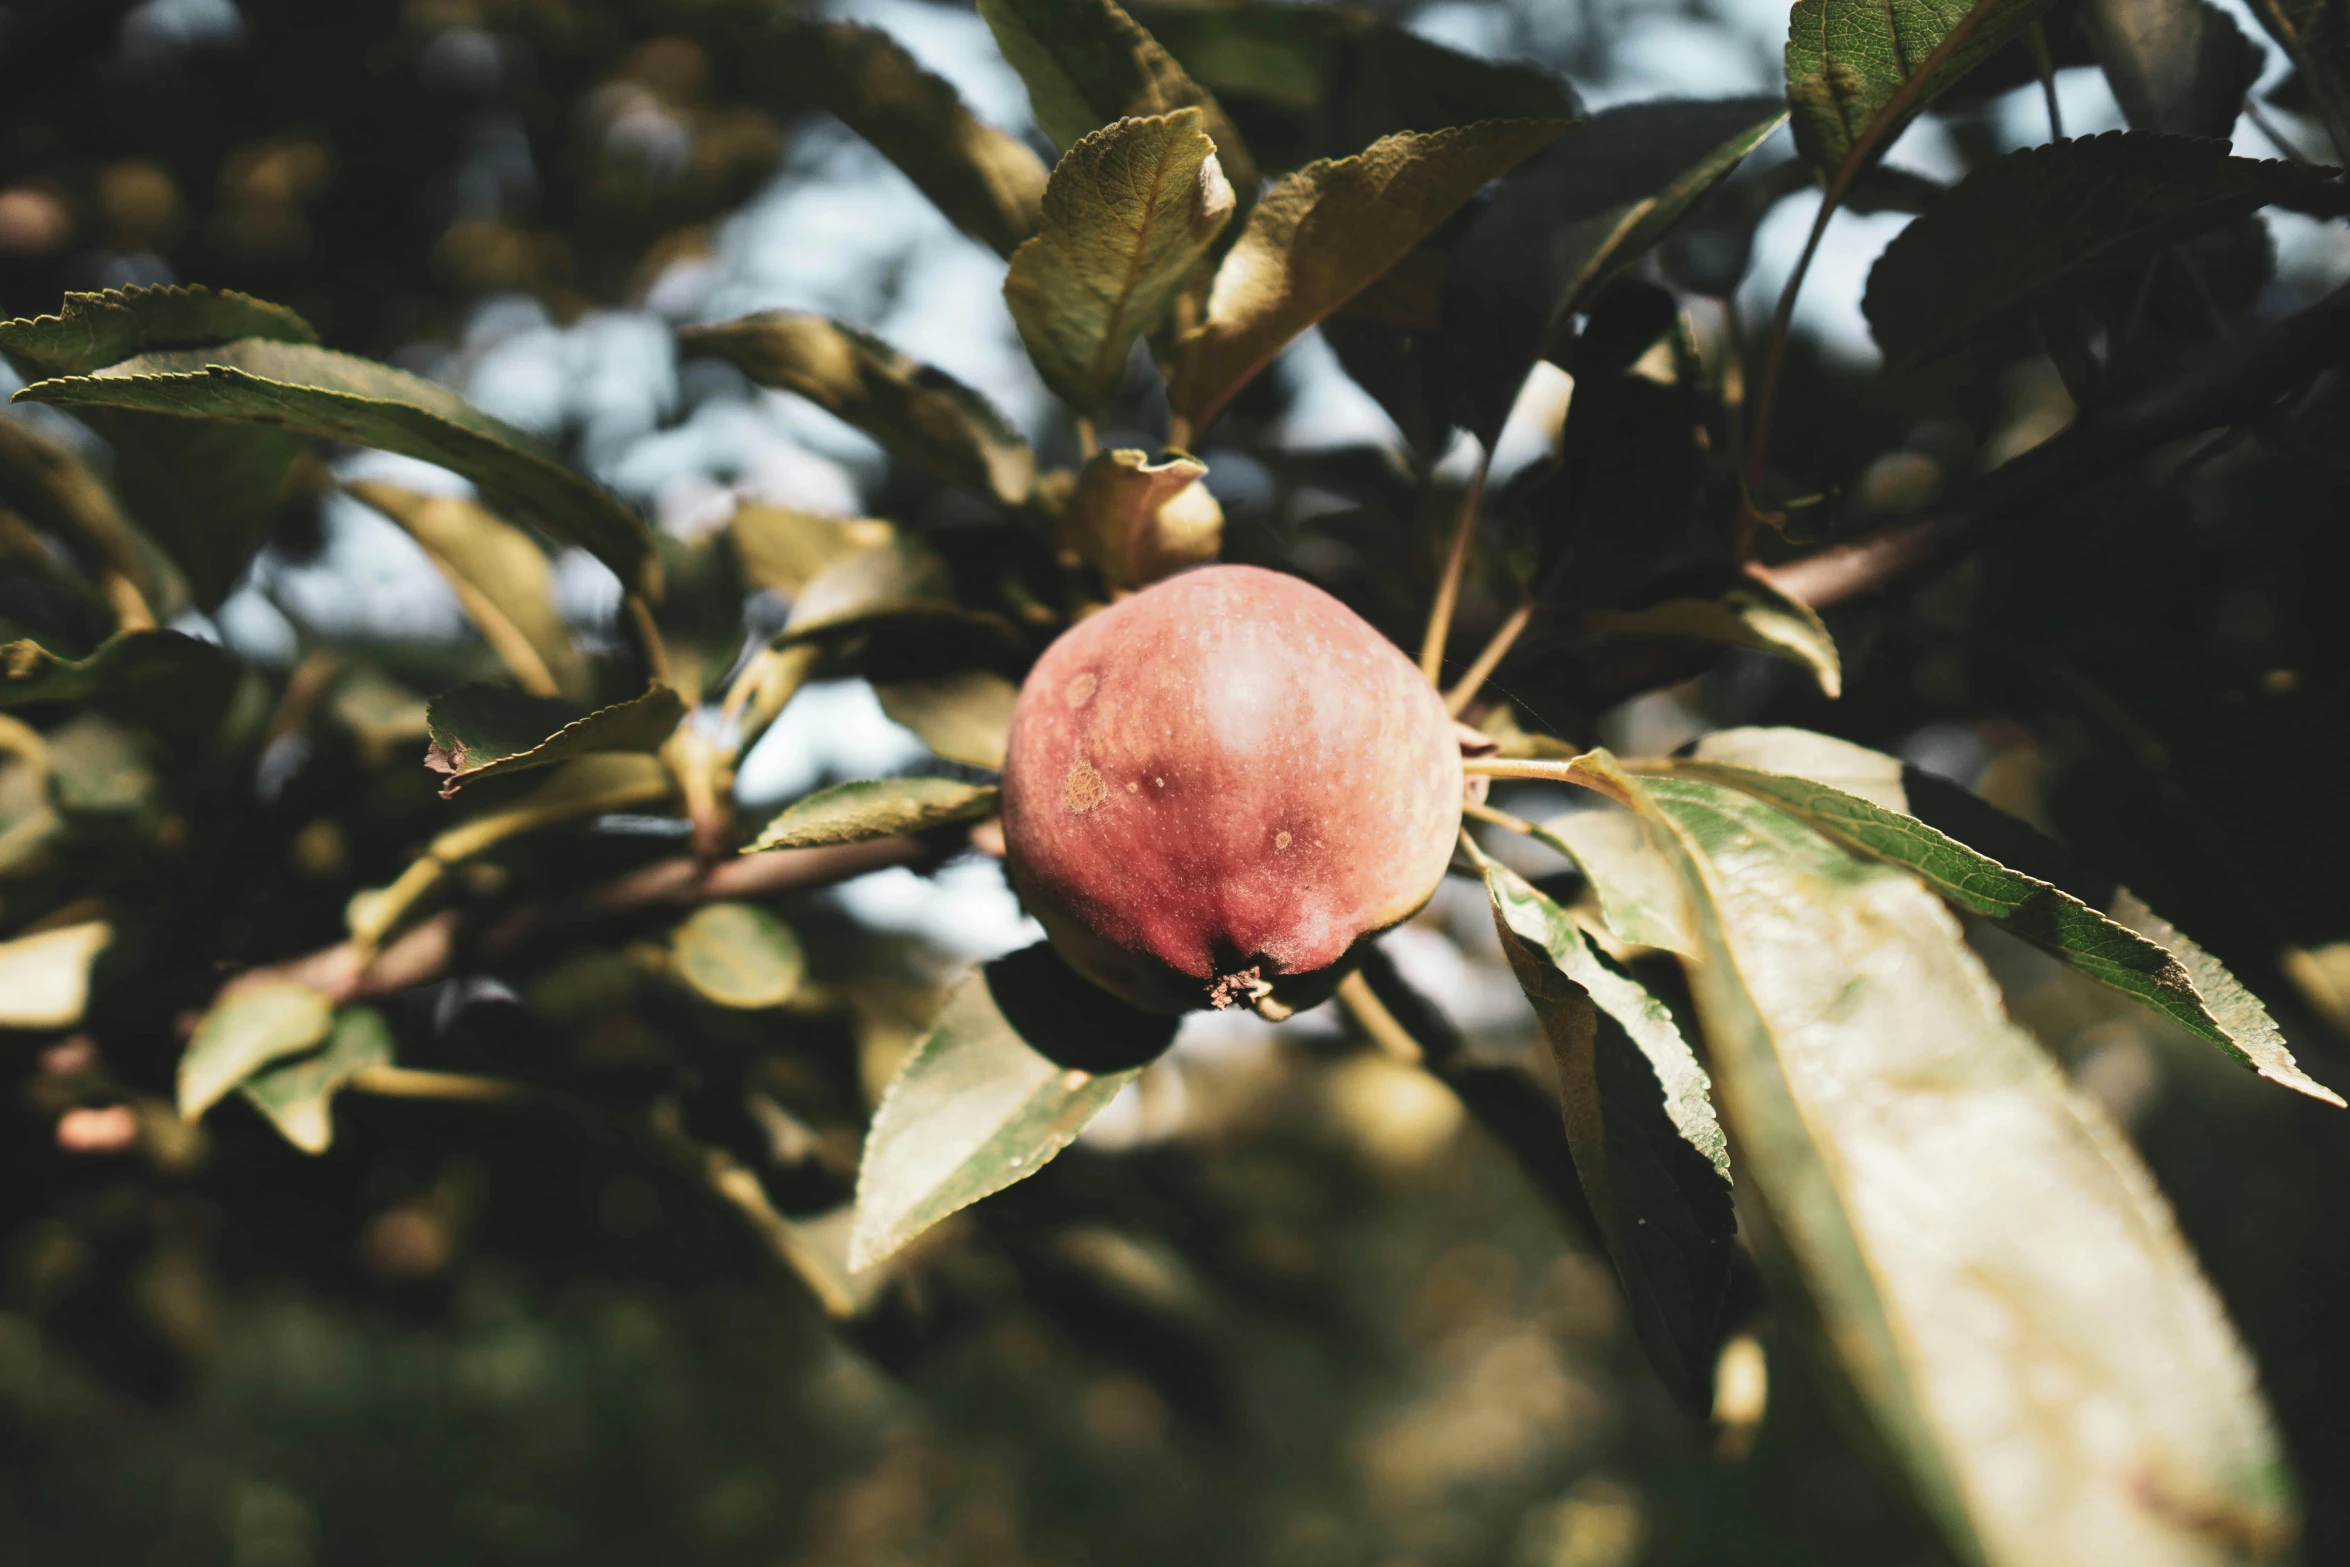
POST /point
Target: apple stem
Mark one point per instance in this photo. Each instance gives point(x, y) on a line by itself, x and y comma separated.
point(1457, 700)
point(1448, 586)
point(1371, 1014)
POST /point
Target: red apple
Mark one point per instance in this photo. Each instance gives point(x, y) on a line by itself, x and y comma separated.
point(1217, 787)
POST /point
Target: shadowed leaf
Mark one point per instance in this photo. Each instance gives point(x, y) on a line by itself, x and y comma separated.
point(1129, 215)
point(986, 181)
point(965, 717)
point(43, 480)
point(297, 1096)
point(921, 414)
point(176, 685)
point(2181, 66)
point(1647, 1147)
point(1564, 222)
point(244, 1032)
point(875, 808)
point(317, 392)
point(1137, 521)
point(2048, 219)
point(901, 577)
point(1324, 234)
point(501, 577)
point(1858, 71)
point(974, 1109)
point(1984, 1253)
point(45, 977)
point(481, 731)
point(1750, 613)
point(737, 955)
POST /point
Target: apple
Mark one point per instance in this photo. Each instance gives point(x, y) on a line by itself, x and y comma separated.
point(1217, 788)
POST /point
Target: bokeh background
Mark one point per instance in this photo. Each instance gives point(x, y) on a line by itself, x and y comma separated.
point(1284, 1303)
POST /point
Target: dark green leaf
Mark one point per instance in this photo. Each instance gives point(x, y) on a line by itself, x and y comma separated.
point(330, 396)
point(1088, 64)
point(1323, 235)
point(1858, 71)
point(1749, 613)
point(482, 731)
point(1128, 217)
point(922, 414)
point(92, 331)
point(246, 1030)
point(2181, 66)
point(987, 182)
point(974, 1109)
point(737, 955)
point(1984, 1253)
point(1647, 1147)
point(1565, 221)
point(2043, 221)
point(875, 808)
point(297, 1096)
point(173, 684)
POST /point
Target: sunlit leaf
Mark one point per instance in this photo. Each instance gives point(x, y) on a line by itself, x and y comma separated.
point(781, 549)
point(91, 331)
point(875, 808)
point(1985, 1255)
point(2048, 219)
point(1633, 883)
point(737, 955)
point(246, 1030)
point(330, 396)
point(900, 577)
point(1566, 220)
point(973, 1109)
point(1320, 236)
point(1130, 213)
point(1858, 71)
point(1088, 64)
point(924, 415)
point(1749, 613)
point(45, 977)
point(1647, 1148)
point(2181, 66)
point(1137, 521)
point(297, 1096)
point(2129, 948)
point(481, 731)
point(965, 717)
point(502, 578)
point(986, 181)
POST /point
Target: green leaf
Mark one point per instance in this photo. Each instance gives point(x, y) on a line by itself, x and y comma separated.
point(1566, 221)
point(330, 396)
point(965, 717)
point(245, 1030)
point(923, 415)
point(1985, 1254)
point(1647, 1148)
point(176, 685)
point(987, 182)
point(1128, 218)
point(737, 955)
point(1137, 521)
point(296, 1096)
point(1632, 881)
point(2181, 66)
point(781, 549)
point(875, 808)
point(45, 977)
point(92, 331)
point(43, 480)
point(1749, 613)
point(482, 731)
point(1323, 235)
point(2046, 220)
point(900, 577)
point(501, 577)
point(1858, 71)
point(1088, 64)
point(2134, 951)
point(974, 1109)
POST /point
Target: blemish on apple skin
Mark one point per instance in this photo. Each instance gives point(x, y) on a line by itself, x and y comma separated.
point(1080, 690)
point(1083, 789)
point(1134, 788)
point(1281, 840)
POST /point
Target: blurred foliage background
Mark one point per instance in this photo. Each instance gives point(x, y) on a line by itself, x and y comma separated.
point(1285, 1303)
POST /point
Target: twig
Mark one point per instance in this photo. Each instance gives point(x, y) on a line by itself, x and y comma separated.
point(1448, 585)
point(1365, 1007)
point(2046, 64)
point(1457, 700)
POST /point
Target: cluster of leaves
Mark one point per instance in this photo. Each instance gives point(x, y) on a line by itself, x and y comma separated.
point(1980, 1251)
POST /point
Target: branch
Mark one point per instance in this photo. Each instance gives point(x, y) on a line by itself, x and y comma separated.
point(2235, 383)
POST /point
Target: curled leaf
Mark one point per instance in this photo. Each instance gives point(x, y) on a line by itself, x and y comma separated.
point(481, 731)
point(1137, 521)
point(875, 808)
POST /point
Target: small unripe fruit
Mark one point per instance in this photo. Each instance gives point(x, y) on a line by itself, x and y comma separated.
point(1217, 787)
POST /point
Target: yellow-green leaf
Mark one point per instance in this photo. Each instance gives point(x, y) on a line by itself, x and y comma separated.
point(781, 548)
point(1749, 613)
point(1858, 71)
point(297, 1096)
point(965, 717)
point(1129, 214)
point(874, 808)
point(737, 955)
point(1137, 521)
point(45, 977)
point(245, 1030)
point(1322, 235)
